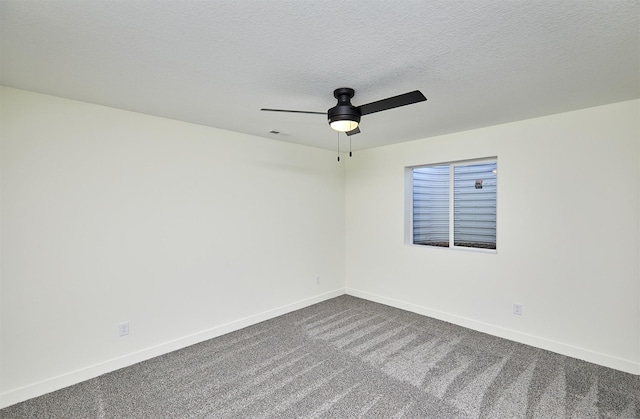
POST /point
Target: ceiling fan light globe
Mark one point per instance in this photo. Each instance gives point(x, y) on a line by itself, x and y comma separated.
point(344, 125)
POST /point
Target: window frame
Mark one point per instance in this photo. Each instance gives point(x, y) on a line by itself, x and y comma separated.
point(409, 210)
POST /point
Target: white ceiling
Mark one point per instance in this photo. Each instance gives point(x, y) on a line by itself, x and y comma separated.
point(217, 63)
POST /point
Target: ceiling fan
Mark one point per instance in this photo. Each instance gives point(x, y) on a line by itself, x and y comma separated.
point(344, 117)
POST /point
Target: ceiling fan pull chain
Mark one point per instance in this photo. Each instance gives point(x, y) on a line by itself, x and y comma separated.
point(338, 145)
point(349, 146)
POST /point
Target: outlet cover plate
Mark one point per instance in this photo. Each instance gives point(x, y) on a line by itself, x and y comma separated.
point(123, 328)
point(517, 309)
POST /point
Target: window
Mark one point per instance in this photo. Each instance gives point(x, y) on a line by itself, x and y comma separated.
point(454, 205)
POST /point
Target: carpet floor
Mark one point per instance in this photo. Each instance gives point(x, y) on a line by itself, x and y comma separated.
point(349, 358)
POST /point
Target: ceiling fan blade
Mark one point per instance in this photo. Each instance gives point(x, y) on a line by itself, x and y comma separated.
point(392, 102)
point(353, 131)
point(286, 110)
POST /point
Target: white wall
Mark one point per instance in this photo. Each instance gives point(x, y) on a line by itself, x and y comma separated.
point(189, 232)
point(568, 234)
point(185, 231)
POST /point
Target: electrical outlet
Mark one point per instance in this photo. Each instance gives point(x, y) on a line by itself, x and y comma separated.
point(517, 309)
point(123, 328)
point(318, 279)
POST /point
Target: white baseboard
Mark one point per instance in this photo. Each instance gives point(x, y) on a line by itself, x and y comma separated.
point(538, 342)
point(74, 377)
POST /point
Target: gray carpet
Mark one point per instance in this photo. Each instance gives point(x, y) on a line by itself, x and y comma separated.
point(349, 358)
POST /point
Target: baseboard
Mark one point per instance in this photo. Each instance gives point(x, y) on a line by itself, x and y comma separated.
point(74, 377)
point(538, 342)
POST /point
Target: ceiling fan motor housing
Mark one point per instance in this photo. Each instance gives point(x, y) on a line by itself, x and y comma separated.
point(344, 110)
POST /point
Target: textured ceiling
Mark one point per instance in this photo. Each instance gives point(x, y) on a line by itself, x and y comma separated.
point(217, 63)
